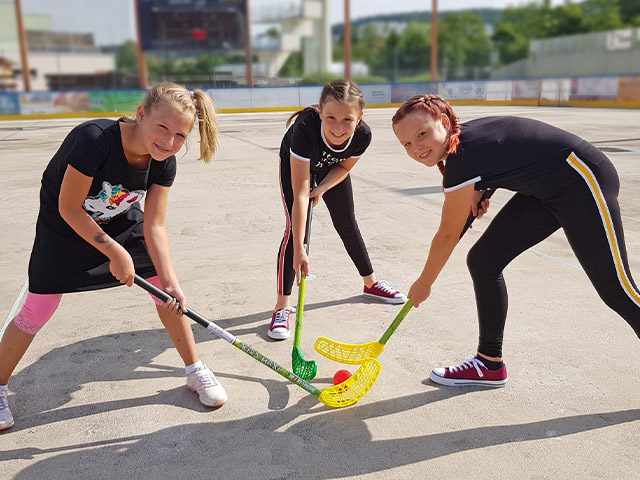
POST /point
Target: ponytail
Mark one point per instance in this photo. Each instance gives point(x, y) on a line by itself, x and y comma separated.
point(305, 109)
point(207, 124)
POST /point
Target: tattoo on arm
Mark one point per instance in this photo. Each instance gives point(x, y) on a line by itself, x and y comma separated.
point(104, 238)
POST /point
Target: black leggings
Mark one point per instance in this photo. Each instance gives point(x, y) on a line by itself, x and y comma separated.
point(339, 201)
point(582, 200)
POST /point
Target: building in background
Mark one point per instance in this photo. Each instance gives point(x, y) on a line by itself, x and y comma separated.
point(615, 52)
point(7, 77)
point(52, 55)
point(287, 27)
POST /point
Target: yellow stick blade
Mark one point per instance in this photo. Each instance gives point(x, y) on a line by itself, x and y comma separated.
point(354, 388)
point(351, 353)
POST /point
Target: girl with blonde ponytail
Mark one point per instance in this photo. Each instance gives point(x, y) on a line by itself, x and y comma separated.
point(90, 211)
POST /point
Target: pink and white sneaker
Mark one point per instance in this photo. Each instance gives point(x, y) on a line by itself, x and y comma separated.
point(279, 328)
point(469, 373)
point(383, 292)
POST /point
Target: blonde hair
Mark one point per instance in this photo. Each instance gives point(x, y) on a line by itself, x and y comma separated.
point(344, 91)
point(199, 103)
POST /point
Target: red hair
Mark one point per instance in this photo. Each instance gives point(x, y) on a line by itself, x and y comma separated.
point(435, 106)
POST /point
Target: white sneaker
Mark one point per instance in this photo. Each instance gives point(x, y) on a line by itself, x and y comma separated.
point(6, 419)
point(209, 390)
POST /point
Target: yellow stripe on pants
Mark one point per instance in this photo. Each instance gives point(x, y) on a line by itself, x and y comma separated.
point(586, 173)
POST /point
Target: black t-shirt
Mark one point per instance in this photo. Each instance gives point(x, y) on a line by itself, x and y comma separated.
point(62, 261)
point(508, 152)
point(306, 141)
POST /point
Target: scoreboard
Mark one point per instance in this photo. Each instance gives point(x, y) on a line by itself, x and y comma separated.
point(192, 25)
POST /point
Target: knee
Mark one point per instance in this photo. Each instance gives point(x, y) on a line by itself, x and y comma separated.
point(476, 261)
point(481, 263)
point(36, 312)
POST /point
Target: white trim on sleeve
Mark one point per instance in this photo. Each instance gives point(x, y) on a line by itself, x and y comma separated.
point(462, 185)
point(299, 157)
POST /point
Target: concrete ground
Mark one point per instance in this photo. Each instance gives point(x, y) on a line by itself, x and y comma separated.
point(100, 394)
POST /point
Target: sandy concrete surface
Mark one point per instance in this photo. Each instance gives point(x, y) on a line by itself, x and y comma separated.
point(101, 392)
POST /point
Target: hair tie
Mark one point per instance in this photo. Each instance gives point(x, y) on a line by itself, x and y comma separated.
point(192, 94)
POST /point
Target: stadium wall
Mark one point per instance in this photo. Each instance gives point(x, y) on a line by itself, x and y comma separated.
point(610, 91)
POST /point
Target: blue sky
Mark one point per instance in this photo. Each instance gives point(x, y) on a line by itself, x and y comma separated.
point(111, 20)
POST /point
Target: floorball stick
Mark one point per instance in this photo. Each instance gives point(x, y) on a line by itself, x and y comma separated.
point(305, 369)
point(341, 395)
point(356, 353)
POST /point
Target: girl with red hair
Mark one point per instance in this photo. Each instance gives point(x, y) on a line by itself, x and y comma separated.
point(560, 180)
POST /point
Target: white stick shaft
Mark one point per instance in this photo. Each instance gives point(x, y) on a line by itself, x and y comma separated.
point(15, 307)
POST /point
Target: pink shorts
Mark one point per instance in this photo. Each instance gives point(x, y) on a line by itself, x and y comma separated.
point(39, 308)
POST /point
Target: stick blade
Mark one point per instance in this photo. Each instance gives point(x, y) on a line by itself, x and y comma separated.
point(350, 353)
point(354, 388)
point(305, 369)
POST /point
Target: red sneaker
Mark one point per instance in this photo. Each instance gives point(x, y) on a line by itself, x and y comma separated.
point(383, 292)
point(279, 328)
point(469, 373)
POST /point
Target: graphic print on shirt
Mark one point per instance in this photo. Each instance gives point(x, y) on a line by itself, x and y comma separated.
point(327, 160)
point(112, 201)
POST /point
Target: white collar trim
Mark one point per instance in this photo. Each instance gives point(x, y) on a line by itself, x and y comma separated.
point(329, 145)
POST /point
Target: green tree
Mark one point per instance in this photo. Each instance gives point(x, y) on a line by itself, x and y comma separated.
point(601, 15)
point(127, 58)
point(630, 11)
point(521, 24)
point(294, 66)
point(414, 48)
point(463, 43)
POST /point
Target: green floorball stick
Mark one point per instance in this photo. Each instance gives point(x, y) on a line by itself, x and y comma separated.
point(342, 395)
point(306, 369)
point(356, 353)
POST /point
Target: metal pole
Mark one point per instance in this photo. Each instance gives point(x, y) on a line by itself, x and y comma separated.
point(24, 47)
point(347, 40)
point(249, 47)
point(143, 73)
point(434, 40)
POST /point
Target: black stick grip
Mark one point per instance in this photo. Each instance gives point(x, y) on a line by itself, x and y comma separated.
point(467, 225)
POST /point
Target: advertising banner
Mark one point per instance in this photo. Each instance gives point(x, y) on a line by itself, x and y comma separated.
point(115, 100)
point(9, 104)
point(463, 90)
point(594, 88)
point(54, 102)
point(403, 91)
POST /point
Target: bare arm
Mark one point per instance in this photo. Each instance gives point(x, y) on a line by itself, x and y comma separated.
point(301, 184)
point(157, 241)
point(73, 192)
point(456, 208)
point(336, 175)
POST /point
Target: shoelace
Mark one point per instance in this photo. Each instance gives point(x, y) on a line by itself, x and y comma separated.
point(471, 362)
point(282, 317)
point(385, 287)
point(206, 378)
point(4, 404)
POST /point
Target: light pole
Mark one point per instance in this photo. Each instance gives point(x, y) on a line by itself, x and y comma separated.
point(249, 46)
point(143, 74)
point(24, 48)
point(347, 40)
point(434, 40)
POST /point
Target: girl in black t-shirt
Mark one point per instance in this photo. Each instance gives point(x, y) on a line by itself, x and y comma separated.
point(92, 233)
point(560, 180)
point(322, 146)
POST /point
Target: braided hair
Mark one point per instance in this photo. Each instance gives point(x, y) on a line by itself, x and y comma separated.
point(435, 106)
